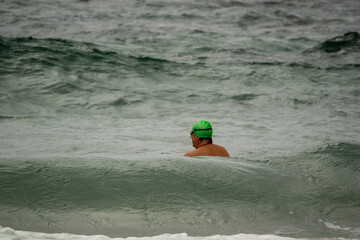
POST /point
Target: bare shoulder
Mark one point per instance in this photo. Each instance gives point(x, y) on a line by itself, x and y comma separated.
point(196, 152)
point(217, 146)
point(208, 150)
point(220, 150)
point(191, 154)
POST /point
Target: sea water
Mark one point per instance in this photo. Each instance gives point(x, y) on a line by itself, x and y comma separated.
point(97, 99)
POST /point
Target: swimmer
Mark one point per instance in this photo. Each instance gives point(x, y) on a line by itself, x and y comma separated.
point(201, 136)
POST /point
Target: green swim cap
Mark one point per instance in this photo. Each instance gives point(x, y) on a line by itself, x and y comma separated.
point(202, 129)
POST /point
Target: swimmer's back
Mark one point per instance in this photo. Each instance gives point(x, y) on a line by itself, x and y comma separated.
point(209, 150)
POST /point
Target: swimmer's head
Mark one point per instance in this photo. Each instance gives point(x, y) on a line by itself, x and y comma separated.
point(202, 129)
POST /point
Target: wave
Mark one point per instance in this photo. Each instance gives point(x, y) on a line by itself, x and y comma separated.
point(350, 39)
point(11, 234)
point(276, 17)
point(198, 196)
point(66, 53)
point(60, 75)
point(56, 76)
point(349, 42)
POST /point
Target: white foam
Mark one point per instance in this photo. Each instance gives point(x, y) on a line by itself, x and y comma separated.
point(7, 233)
point(341, 228)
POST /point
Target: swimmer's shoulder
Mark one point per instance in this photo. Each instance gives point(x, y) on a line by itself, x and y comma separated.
point(221, 151)
point(209, 150)
point(193, 153)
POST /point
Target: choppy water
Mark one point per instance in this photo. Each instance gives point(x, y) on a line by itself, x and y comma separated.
point(97, 99)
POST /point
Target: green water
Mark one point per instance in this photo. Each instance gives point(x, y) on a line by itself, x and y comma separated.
point(97, 100)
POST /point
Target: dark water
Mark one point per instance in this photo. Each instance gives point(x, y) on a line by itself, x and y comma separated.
point(97, 99)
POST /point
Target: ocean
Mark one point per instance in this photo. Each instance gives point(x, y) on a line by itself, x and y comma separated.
point(97, 99)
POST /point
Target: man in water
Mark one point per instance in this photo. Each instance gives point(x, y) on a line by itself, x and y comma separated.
point(201, 136)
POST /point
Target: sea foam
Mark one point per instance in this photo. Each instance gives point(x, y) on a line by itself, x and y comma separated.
point(7, 233)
